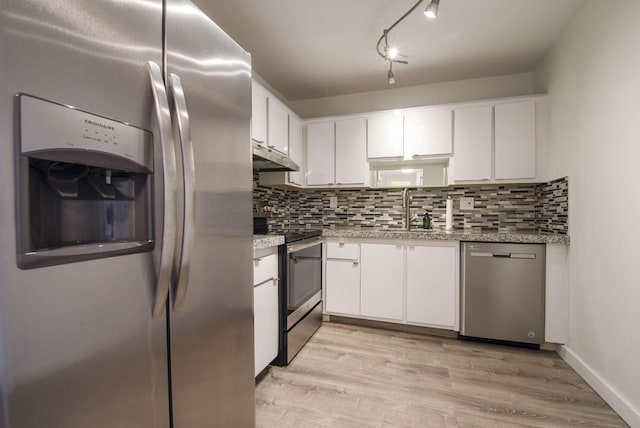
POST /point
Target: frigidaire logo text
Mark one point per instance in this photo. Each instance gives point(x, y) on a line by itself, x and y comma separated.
point(99, 124)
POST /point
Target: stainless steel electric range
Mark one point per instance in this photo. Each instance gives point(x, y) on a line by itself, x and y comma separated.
point(300, 287)
point(300, 291)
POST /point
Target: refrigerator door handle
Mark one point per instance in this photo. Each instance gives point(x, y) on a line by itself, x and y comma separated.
point(181, 114)
point(161, 110)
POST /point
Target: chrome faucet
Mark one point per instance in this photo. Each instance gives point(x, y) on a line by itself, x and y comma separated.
point(406, 204)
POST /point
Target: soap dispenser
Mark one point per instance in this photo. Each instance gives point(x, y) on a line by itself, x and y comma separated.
point(426, 221)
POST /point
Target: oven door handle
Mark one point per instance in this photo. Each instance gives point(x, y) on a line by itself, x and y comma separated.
point(296, 258)
point(292, 248)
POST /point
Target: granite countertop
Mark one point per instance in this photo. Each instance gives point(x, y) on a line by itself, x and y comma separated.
point(267, 241)
point(454, 235)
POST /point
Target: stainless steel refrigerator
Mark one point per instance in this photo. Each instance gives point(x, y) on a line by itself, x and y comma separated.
point(125, 217)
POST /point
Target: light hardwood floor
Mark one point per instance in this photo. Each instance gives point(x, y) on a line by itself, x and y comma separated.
point(353, 376)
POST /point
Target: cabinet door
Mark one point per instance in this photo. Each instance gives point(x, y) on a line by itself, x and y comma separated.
point(427, 131)
point(343, 286)
point(351, 140)
point(320, 153)
point(431, 285)
point(278, 128)
point(384, 136)
point(472, 143)
point(258, 112)
point(515, 140)
point(382, 276)
point(295, 150)
point(265, 320)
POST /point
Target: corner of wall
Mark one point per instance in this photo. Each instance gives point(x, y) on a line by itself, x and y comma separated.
point(618, 403)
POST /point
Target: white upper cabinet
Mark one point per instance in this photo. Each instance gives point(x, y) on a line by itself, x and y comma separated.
point(492, 141)
point(351, 148)
point(320, 153)
point(278, 126)
point(515, 140)
point(496, 141)
point(385, 135)
point(427, 132)
point(269, 119)
point(296, 152)
point(336, 153)
point(259, 97)
point(472, 135)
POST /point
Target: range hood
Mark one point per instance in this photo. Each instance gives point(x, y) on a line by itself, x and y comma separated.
point(268, 159)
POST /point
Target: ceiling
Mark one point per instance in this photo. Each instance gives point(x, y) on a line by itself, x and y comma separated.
point(316, 48)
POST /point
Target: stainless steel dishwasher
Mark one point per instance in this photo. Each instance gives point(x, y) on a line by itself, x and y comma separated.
point(503, 291)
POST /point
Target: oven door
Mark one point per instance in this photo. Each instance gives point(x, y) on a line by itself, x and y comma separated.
point(304, 278)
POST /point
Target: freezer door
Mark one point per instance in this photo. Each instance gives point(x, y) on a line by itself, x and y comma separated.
point(78, 345)
point(212, 358)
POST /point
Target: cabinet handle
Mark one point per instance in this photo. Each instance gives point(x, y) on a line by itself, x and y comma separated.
point(356, 262)
point(341, 244)
point(274, 280)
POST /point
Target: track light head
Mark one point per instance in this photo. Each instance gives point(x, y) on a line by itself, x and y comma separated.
point(432, 10)
point(391, 79)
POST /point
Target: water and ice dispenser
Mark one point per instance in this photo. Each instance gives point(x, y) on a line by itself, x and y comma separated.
point(85, 185)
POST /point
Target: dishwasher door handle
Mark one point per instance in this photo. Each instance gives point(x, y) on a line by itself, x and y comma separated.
point(480, 254)
point(503, 255)
point(522, 256)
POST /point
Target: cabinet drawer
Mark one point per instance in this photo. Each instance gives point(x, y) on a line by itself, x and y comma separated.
point(265, 268)
point(342, 250)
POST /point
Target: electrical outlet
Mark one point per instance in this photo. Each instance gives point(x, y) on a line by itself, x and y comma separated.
point(333, 202)
point(466, 203)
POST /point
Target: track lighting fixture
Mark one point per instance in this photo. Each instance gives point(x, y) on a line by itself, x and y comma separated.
point(390, 53)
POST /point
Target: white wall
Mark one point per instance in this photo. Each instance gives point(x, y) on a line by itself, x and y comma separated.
point(592, 76)
point(414, 96)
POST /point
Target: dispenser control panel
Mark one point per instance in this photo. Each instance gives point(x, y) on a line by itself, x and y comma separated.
point(50, 127)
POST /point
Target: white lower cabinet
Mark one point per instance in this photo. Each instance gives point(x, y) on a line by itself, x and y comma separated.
point(418, 283)
point(382, 277)
point(432, 285)
point(407, 282)
point(556, 311)
point(265, 310)
point(342, 278)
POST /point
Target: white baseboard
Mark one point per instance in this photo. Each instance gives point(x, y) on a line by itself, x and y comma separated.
point(622, 407)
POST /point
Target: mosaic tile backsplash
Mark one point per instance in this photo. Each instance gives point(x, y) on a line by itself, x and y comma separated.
point(503, 208)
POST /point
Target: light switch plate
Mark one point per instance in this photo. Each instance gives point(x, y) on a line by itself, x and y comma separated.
point(333, 202)
point(466, 203)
